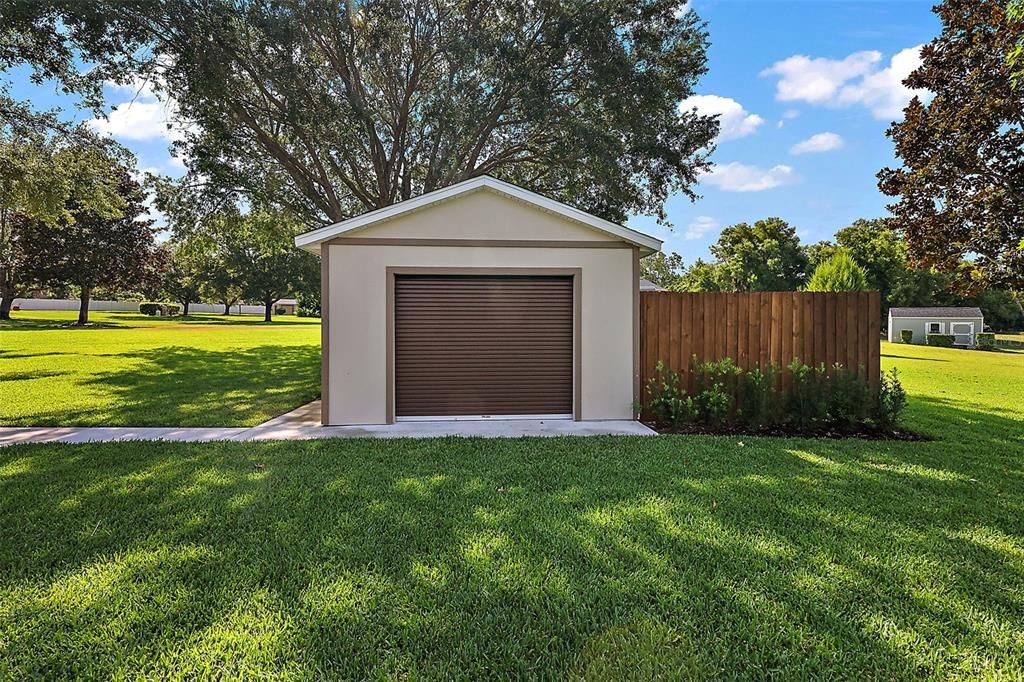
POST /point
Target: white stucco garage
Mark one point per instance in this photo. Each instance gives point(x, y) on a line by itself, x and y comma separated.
point(480, 300)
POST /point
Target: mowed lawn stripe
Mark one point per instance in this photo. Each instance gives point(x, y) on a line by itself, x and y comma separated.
point(131, 370)
point(678, 557)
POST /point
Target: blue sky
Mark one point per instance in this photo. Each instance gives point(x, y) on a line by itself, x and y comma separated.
point(816, 72)
point(806, 89)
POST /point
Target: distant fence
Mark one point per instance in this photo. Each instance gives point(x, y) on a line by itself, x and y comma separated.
point(124, 306)
point(758, 329)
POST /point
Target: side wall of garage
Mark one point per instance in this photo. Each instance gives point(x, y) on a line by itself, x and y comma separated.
point(356, 334)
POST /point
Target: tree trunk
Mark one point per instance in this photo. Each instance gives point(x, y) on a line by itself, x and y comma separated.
point(227, 308)
point(6, 301)
point(184, 308)
point(266, 314)
point(83, 310)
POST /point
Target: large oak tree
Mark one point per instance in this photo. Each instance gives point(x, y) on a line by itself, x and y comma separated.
point(331, 108)
point(960, 192)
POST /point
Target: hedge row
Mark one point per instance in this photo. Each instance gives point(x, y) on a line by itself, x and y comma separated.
point(151, 308)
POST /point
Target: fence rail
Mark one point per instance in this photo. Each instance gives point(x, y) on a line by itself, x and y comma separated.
point(759, 328)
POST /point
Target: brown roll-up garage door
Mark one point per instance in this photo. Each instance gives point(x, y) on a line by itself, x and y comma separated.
point(483, 346)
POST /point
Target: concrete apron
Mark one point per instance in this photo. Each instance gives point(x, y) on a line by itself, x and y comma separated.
point(303, 423)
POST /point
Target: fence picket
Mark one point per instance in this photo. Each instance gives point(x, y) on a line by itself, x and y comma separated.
point(756, 329)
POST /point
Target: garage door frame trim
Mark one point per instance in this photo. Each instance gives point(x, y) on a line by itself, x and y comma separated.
point(577, 316)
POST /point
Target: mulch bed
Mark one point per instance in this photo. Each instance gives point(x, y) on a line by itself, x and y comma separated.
point(863, 432)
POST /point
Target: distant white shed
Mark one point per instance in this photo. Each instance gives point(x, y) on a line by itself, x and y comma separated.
point(963, 323)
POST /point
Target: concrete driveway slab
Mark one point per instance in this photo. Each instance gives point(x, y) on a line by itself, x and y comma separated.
point(303, 423)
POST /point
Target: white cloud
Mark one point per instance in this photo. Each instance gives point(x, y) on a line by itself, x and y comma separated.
point(700, 226)
point(821, 142)
point(859, 78)
point(734, 120)
point(817, 80)
point(739, 177)
point(141, 115)
point(883, 92)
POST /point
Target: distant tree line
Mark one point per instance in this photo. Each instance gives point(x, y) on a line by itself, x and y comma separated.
point(867, 255)
point(73, 220)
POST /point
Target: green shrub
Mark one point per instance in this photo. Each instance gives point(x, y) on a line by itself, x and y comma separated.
point(907, 335)
point(849, 397)
point(986, 340)
point(760, 403)
point(808, 401)
point(172, 309)
point(668, 401)
point(892, 399)
point(279, 310)
point(715, 395)
point(840, 272)
point(940, 340)
point(713, 405)
point(726, 395)
point(151, 308)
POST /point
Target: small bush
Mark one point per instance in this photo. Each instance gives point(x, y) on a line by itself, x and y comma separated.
point(760, 403)
point(892, 399)
point(172, 309)
point(727, 396)
point(668, 402)
point(808, 402)
point(715, 397)
point(280, 310)
point(151, 308)
point(986, 340)
point(907, 335)
point(940, 340)
point(849, 397)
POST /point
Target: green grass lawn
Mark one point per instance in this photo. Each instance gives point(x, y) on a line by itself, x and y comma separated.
point(600, 558)
point(128, 369)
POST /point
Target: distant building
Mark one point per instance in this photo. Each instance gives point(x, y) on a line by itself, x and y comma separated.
point(289, 305)
point(963, 323)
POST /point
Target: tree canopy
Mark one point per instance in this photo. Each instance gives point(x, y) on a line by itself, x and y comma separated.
point(95, 249)
point(47, 178)
point(765, 256)
point(662, 269)
point(960, 192)
point(330, 108)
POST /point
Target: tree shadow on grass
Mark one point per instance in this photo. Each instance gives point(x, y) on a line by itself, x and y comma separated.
point(25, 324)
point(185, 386)
point(911, 357)
point(604, 558)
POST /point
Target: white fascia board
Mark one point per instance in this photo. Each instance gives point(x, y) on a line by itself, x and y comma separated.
point(310, 241)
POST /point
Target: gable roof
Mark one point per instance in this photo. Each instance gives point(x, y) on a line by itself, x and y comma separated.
point(935, 312)
point(648, 285)
point(310, 241)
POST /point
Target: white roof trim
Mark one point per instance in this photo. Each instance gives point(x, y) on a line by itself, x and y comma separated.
point(310, 241)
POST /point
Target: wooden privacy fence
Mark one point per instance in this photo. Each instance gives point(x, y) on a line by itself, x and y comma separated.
point(758, 329)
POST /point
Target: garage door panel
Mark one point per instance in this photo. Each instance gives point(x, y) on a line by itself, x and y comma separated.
point(480, 345)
